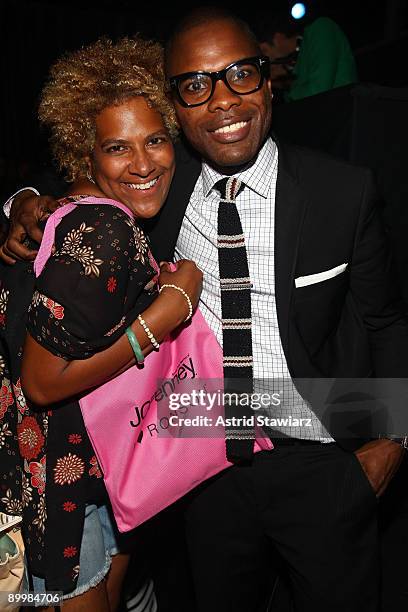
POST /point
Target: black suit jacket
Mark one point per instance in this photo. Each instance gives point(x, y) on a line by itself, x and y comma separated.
point(349, 326)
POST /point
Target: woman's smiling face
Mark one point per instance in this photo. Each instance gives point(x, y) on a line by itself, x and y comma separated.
point(133, 158)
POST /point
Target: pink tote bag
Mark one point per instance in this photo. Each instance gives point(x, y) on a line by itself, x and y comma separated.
point(147, 464)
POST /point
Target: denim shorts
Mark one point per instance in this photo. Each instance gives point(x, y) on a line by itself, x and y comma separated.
point(99, 544)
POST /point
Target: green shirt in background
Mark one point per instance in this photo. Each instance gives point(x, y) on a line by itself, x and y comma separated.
point(325, 60)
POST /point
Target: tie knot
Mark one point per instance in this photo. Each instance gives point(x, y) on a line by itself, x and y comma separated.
point(229, 187)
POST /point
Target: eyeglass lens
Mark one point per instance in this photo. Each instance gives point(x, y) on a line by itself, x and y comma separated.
point(197, 88)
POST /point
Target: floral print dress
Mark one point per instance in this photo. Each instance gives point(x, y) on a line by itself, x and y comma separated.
point(94, 285)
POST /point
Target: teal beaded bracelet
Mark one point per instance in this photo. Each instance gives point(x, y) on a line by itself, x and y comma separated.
point(135, 345)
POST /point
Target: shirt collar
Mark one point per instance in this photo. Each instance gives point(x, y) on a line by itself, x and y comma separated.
point(257, 177)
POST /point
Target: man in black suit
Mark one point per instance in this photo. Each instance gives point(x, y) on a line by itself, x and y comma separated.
point(323, 306)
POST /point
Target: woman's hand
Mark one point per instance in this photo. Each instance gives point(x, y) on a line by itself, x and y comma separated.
point(47, 379)
point(171, 308)
point(186, 276)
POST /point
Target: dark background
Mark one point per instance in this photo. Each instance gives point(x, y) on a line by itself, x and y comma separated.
point(364, 124)
point(33, 33)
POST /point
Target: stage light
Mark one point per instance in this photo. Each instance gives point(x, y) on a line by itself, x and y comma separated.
point(298, 10)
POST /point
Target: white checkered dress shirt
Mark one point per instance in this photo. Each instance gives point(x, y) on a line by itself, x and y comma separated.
point(198, 241)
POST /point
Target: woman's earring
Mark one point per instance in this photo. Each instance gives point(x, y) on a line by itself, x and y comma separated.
point(89, 177)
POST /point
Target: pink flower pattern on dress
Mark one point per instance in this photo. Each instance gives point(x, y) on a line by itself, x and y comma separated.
point(6, 397)
point(70, 551)
point(30, 438)
point(75, 438)
point(56, 309)
point(69, 506)
point(95, 469)
point(111, 284)
point(59, 461)
point(37, 471)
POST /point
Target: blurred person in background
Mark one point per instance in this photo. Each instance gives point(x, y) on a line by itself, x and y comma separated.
point(307, 58)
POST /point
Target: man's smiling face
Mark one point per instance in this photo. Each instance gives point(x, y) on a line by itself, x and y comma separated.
point(229, 129)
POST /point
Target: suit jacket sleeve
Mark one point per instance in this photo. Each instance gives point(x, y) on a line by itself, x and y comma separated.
point(375, 290)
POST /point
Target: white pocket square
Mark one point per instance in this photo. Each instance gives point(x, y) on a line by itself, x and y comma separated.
point(311, 279)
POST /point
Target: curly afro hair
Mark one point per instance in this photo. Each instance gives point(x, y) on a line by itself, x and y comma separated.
point(86, 81)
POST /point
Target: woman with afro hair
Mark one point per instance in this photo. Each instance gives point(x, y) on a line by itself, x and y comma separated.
point(112, 128)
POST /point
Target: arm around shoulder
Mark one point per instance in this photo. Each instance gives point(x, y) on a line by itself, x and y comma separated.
point(26, 210)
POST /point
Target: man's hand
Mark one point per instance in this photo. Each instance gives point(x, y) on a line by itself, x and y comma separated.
point(380, 460)
point(26, 212)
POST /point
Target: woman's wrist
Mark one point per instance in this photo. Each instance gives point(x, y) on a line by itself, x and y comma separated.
point(175, 300)
point(148, 332)
point(161, 317)
point(183, 293)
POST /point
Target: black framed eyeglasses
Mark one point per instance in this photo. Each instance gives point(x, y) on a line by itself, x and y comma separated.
point(243, 77)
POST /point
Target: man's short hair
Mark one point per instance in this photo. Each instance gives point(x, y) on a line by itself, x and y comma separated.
point(204, 15)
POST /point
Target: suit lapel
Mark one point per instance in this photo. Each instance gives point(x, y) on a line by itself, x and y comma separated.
point(290, 208)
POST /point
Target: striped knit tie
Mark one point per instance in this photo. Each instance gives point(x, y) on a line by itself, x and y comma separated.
point(236, 323)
